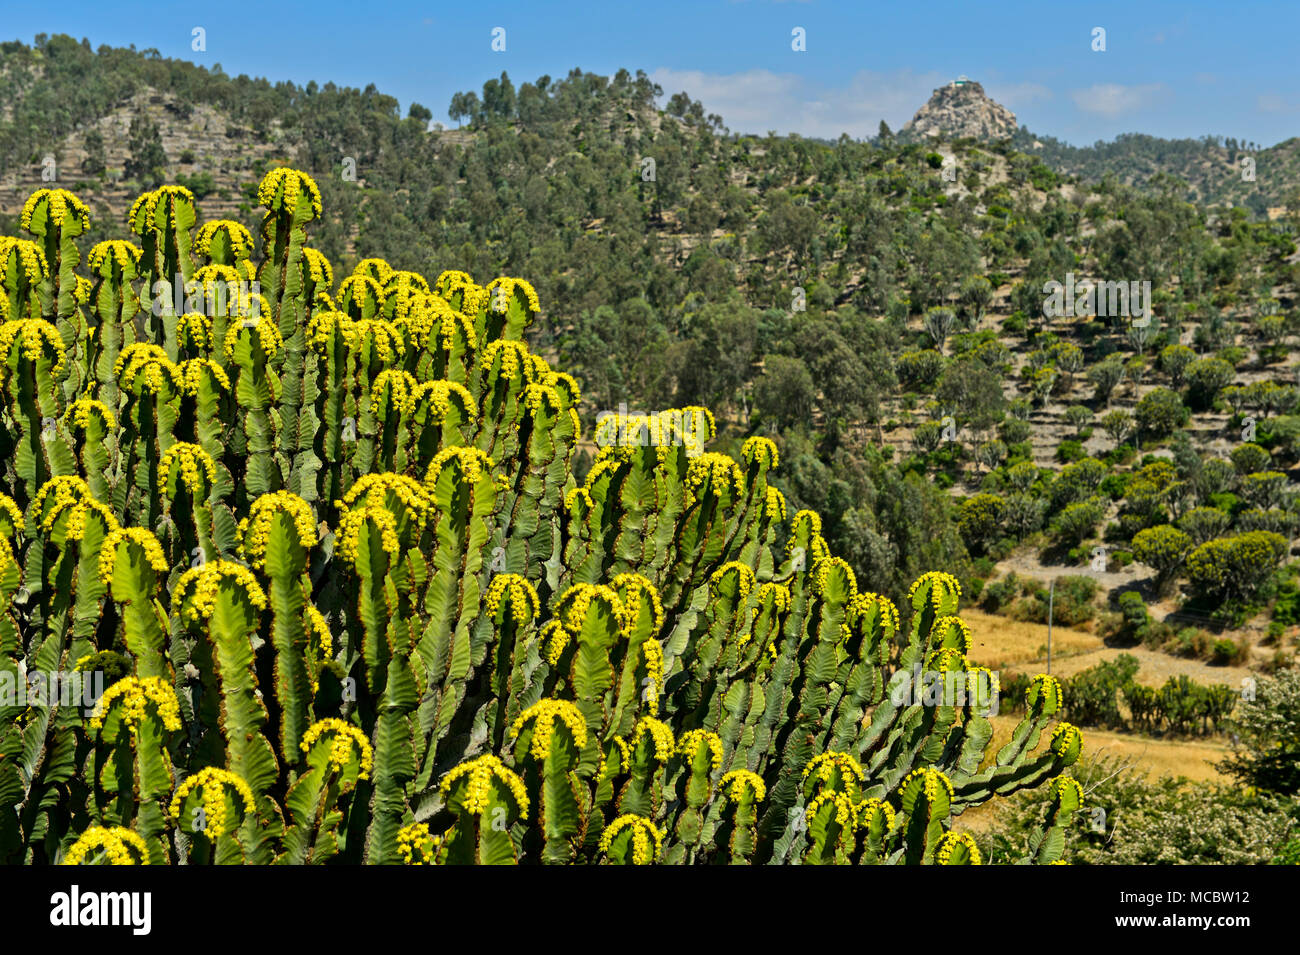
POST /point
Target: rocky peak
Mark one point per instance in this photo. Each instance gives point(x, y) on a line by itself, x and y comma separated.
point(958, 109)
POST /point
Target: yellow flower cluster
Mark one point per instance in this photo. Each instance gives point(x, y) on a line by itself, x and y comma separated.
point(384, 338)
point(169, 194)
point(416, 844)
point(324, 326)
point(377, 270)
point(846, 816)
point(62, 204)
point(82, 289)
point(761, 450)
point(147, 364)
point(823, 570)
point(79, 413)
point(1044, 695)
point(866, 602)
point(824, 768)
point(192, 371)
point(213, 782)
point(537, 395)
point(734, 784)
point(449, 279)
point(268, 334)
point(631, 588)
point(744, 577)
point(647, 839)
point(944, 627)
point(774, 506)
point(546, 714)
point(288, 183)
point(715, 471)
point(125, 255)
point(374, 488)
point(71, 496)
point(940, 584)
point(479, 774)
point(31, 260)
point(345, 740)
point(144, 539)
point(555, 638)
point(576, 602)
point(690, 742)
point(567, 383)
point(470, 462)
point(122, 846)
point(255, 530)
point(948, 844)
point(661, 736)
point(1066, 789)
point(1066, 741)
point(513, 357)
point(318, 268)
point(508, 287)
point(205, 581)
point(10, 510)
point(779, 594)
point(316, 620)
point(348, 539)
point(198, 472)
point(450, 323)
point(240, 239)
point(931, 781)
point(135, 694)
point(652, 652)
point(194, 330)
point(400, 388)
point(578, 495)
point(440, 394)
point(523, 597)
point(33, 335)
point(869, 809)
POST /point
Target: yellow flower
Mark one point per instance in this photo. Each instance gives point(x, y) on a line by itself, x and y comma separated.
point(238, 237)
point(345, 740)
point(61, 204)
point(647, 839)
point(79, 413)
point(734, 784)
point(479, 775)
point(255, 530)
point(121, 846)
point(136, 695)
point(416, 844)
point(287, 184)
point(144, 539)
point(34, 336)
point(195, 596)
point(213, 783)
point(348, 538)
point(661, 737)
point(523, 597)
point(546, 715)
point(198, 472)
point(691, 741)
point(471, 463)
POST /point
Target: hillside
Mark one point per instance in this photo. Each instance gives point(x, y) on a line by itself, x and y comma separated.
point(858, 301)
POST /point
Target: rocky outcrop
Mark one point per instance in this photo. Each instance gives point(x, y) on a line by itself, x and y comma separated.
point(961, 109)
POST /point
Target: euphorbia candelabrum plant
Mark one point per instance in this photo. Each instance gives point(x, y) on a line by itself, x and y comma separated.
point(325, 550)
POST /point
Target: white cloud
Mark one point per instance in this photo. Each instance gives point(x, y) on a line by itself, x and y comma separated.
point(757, 101)
point(1113, 99)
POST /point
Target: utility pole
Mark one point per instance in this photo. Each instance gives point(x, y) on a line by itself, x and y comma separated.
point(1051, 599)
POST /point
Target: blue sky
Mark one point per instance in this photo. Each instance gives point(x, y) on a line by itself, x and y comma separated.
point(1169, 68)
